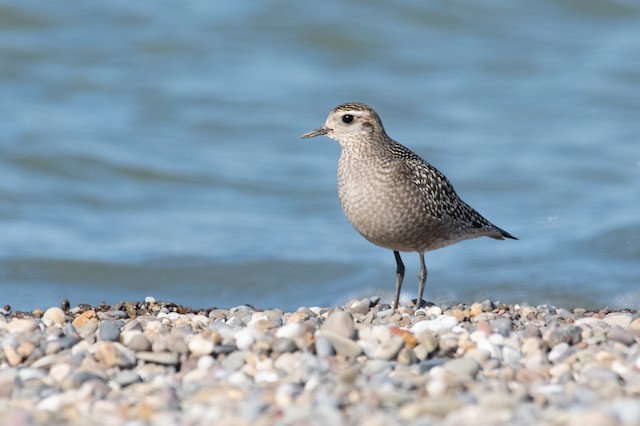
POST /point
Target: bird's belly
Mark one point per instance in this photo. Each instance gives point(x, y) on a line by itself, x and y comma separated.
point(394, 220)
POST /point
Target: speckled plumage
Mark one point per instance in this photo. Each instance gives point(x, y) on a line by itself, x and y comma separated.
point(394, 198)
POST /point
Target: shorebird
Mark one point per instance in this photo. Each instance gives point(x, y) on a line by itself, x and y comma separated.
point(393, 197)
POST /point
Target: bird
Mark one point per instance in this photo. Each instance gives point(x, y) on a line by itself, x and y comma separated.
point(393, 197)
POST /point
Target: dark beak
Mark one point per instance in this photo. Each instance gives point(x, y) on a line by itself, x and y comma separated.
point(317, 132)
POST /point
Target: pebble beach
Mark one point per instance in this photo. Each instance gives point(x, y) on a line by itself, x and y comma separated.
point(153, 362)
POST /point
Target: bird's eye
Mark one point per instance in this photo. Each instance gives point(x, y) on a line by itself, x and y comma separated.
point(347, 118)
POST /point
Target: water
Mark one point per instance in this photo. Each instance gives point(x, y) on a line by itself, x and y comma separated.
point(150, 148)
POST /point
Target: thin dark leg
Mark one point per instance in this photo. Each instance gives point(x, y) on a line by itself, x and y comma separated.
point(422, 279)
point(399, 277)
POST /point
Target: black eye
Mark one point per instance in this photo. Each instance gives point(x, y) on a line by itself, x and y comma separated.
point(347, 118)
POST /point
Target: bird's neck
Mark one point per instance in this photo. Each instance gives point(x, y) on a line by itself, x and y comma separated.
point(366, 148)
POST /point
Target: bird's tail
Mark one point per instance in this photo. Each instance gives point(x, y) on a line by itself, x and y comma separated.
point(503, 234)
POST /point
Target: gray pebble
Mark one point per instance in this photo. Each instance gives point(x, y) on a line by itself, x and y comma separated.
point(340, 323)
point(127, 377)
point(224, 349)
point(362, 307)
point(341, 345)
point(283, 344)
point(618, 334)
point(109, 331)
point(234, 361)
point(137, 341)
point(428, 364)
point(571, 335)
point(501, 325)
point(488, 306)
point(466, 368)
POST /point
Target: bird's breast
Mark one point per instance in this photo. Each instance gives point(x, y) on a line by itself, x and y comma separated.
point(382, 205)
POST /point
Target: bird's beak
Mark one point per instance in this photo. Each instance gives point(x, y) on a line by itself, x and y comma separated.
point(317, 132)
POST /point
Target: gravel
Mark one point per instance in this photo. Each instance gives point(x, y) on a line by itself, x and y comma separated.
point(155, 362)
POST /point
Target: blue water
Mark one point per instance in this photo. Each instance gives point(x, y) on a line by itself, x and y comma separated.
point(153, 148)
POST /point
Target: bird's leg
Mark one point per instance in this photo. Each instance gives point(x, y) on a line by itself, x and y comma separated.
point(422, 279)
point(399, 277)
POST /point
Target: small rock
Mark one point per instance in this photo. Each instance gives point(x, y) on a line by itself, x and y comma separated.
point(340, 323)
point(386, 350)
point(224, 349)
point(427, 340)
point(136, 341)
point(25, 349)
point(283, 344)
point(620, 319)
point(54, 315)
point(627, 410)
point(127, 377)
point(465, 368)
point(501, 325)
point(558, 352)
point(11, 355)
point(618, 334)
point(634, 326)
point(479, 355)
point(109, 331)
point(571, 335)
point(528, 311)
point(324, 348)
point(244, 338)
point(361, 307)
point(341, 345)
point(288, 331)
point(438, 325)
point(592, 417)
point(476, 309)
point(167, 358)
point(560, 372)
point(107, 354)
point(205, 362)
point(488, 306)
point(407, 356)
point(234, 361)
point(201, 345)
point(22, 326)
point(86, 323)
point(59, 371)
point(599, 375)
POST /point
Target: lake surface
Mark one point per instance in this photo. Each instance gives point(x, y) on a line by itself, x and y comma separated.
point(153, 148)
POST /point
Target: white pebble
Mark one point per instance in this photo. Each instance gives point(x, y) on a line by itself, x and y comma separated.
point(289, 331)
point(205, 362)
point(244, 339)
point(558, 351)
point(53, 316)
point(51, 403)
point(200, 345)
point(621, 319)
point(438, 325)
point(434, 310)
point(488, 346)
point(266, 376)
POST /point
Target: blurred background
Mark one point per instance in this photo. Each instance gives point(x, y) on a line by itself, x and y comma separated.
point(153, 148)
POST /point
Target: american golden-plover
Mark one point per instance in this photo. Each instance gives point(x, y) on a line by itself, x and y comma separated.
point(394, 198)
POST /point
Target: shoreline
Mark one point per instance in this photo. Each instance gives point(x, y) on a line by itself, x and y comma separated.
point(154, 362)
